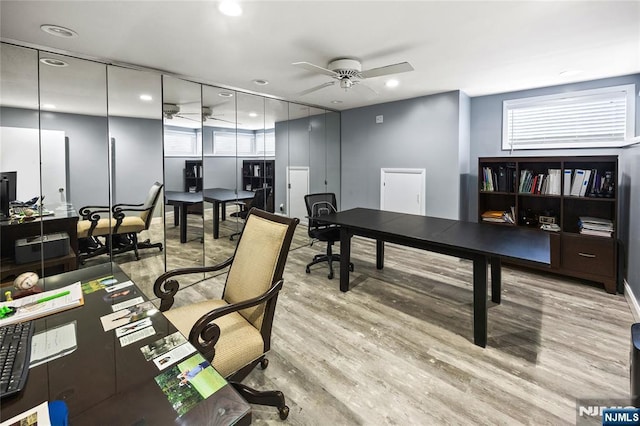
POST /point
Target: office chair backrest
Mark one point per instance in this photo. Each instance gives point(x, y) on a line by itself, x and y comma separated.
point(150, 203)
point(319, 204)
point(258, 263)
point(260, 199)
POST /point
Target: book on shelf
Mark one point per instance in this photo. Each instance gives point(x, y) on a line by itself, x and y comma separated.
point(567, 181)
point(595, 226)
point(576, 183)
point(498, 179)
point(499, 216)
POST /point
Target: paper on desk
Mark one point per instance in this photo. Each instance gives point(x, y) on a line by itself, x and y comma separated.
point(29, 308)
point(52, 344)
point(124, 305)
point(38, 415)
point(174, 356)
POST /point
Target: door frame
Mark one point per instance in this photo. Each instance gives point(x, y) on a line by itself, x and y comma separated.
point(288, 183)
point(423, 184)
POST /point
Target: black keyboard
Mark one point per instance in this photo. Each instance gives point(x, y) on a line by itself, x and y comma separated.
point(15, 354)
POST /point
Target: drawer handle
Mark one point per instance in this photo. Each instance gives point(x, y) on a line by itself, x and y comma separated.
point(587, 255)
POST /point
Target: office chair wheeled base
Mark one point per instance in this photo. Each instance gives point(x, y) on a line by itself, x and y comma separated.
point(329, 258)
point(270, 398)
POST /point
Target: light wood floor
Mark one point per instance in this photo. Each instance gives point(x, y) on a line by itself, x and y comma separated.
point(398, 348)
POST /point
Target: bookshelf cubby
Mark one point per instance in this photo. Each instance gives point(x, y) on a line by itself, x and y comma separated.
point(257, 174)
point(533, 191)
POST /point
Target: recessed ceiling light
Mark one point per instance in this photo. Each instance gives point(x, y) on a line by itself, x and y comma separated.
point(225, 94)
point(58, 31)
point(230, 8)
point(570, 73)
point(49, 106)
point(146, 98)
point(336, 102)
point(253, 114)
point(392, 83)
point(260, 82)
point(54, 62)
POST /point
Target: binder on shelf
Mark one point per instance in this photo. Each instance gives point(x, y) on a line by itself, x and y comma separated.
point(567, 181)
point(585, 183)
point(576, 185)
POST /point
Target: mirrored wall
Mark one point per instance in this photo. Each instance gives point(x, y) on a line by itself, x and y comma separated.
point(182, 161)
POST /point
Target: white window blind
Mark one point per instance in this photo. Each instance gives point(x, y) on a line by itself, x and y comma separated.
point(224, 143)
point(181, 143)
point(266, 143)
point(590, 118)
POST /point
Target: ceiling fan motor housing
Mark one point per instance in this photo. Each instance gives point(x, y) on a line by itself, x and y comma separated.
point(345, 68)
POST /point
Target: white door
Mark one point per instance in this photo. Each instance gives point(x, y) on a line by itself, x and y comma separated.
point(403, 190)
point(297, 188)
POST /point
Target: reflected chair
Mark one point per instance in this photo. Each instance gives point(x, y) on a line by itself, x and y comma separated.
point(234, 332)
point(318, 205)
point(259, 201)
point(119, 229)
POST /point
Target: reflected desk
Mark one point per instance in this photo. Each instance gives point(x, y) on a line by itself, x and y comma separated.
point(12, 230)
point(480, 243)
point(104, 383)
point(218, 196)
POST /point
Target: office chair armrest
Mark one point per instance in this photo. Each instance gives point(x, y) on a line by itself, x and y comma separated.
point(165, 288)
point(205, 333)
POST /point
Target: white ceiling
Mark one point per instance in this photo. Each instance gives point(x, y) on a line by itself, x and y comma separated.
point(479, 47)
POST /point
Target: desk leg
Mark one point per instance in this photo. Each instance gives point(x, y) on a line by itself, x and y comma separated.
point(183, 223)
point(379, 254)
point(224, 211)
point(496, 279)
point(345, 258)
point(480, 301)
point(176, 214)
point(216, 220)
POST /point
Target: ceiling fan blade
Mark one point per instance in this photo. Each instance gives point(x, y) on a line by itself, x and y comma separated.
point(220, 119)
point(186, 118)
point(386, 70)
point(365, 86)
point(313, 89)
point(315, 68)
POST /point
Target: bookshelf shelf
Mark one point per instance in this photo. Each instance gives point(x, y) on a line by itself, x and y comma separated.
point(257, 174)
point(542, 193)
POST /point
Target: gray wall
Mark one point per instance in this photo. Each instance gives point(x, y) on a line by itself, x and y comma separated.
point(486, 141)
point(416, 133)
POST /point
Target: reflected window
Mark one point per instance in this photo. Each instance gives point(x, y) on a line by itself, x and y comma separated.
point(224, 143)
point(182, 142)
point(266, 143)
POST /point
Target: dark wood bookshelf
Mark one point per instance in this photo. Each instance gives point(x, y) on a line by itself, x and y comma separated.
point(589, 257)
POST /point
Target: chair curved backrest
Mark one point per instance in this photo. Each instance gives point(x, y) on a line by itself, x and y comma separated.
point(150, 204)
point(318, 205)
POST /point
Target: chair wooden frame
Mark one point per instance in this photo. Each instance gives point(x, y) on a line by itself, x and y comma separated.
point(205, 333)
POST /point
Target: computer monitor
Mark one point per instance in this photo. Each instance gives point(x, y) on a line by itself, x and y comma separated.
point(7, 191)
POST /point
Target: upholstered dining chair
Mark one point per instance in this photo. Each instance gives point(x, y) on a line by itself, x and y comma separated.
point(119, 229)
point(318, 205)
point(234, 332)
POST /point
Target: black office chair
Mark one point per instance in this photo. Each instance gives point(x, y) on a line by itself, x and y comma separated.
point(259, 201)
point(319, 205)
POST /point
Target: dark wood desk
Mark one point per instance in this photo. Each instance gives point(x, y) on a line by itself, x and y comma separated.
point(11, 230)
point(104, 383)
point(218, 196)
point(476, 242)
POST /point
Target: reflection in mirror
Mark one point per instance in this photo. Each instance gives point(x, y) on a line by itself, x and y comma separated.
point(135, 128)
point(220, 172)
point(19, 155)
point(298, 172)
point(317, 150)
point(75, 148)
point(332, 120)
point(183, 173)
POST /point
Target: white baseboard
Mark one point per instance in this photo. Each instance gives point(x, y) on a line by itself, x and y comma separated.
point(632, 301)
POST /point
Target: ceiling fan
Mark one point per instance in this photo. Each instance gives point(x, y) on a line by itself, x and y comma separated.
point(170, 111)
point(348, 72)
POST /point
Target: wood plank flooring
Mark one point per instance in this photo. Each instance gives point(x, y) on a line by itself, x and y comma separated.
point(398, 348)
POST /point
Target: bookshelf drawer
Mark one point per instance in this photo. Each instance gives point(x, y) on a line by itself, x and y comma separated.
point(588, 254)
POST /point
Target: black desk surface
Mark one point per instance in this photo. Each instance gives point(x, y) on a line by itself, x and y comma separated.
point(104, 383)
point(210, 194)
point(502, 241)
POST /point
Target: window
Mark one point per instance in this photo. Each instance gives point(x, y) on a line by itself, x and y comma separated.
point(595, 118)
point(224, 143)
point(182, 143)
point(266, 143)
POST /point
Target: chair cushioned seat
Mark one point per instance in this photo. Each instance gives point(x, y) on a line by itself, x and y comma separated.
point(102, 228)
point(131, 224)
point(239, 344)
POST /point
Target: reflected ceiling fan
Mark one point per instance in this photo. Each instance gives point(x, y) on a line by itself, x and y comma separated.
point(170, 111)
point(348, 72)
